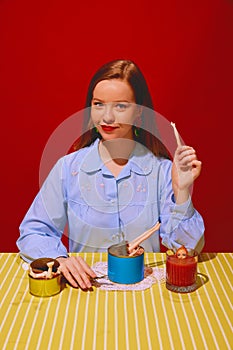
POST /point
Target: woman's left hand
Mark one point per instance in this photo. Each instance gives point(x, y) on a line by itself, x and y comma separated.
point(185, 169)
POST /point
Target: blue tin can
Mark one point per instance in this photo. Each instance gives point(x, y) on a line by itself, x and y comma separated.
point(125, 269)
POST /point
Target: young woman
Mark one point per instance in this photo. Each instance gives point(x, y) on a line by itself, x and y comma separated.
point(120, 179)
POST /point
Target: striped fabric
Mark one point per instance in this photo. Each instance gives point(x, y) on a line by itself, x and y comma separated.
point(152, 319)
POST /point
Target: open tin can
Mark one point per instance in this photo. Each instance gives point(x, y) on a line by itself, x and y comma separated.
point(44, 287)
point(125, 269)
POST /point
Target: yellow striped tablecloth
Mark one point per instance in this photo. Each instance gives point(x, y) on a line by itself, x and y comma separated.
point(151, 319)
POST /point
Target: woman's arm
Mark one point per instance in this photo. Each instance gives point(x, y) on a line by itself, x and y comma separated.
point(185, 170)
point(181, 223)
point(43, 225)
point(42, 228)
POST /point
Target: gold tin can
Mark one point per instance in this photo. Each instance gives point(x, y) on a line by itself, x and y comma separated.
point(42, 287)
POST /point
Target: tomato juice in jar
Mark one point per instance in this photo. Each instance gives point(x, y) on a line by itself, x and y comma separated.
point(181, 273)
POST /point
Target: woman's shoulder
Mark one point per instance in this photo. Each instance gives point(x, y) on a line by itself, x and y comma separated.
point(161, 164)
point(149, 162)
point(163, 161)
point(150, 157)
point(76, 157)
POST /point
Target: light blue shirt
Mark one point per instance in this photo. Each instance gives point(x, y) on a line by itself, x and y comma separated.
point(81, 197)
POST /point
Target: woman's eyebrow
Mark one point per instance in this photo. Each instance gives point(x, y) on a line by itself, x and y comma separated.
point(98, 99)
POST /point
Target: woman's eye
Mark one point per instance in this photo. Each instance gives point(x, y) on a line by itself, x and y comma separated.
point(121, 106)
point(98, 104)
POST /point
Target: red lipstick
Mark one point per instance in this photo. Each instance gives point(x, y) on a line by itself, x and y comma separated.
point(108, 128)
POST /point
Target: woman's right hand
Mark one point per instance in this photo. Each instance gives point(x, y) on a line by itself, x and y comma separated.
point(76, 271)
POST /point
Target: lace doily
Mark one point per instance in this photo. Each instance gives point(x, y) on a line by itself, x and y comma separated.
point(152, 275)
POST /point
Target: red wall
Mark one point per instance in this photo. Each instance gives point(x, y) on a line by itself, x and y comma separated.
point(50, 49)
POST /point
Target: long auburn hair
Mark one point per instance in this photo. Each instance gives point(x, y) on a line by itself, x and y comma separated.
point(128, 71)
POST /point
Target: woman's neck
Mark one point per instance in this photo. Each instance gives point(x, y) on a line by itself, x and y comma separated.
point(115, 153)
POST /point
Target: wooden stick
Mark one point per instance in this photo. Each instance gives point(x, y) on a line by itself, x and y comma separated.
point(37, 275)
point(177, 136)
point(50, 269)
point(132, 245)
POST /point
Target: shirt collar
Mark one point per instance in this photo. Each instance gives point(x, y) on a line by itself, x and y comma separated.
point(140, 161)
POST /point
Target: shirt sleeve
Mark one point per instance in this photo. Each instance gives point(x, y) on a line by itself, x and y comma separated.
point(43, 225)
point(180, 224)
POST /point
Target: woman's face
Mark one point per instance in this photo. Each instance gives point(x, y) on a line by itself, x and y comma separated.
point(113, 109)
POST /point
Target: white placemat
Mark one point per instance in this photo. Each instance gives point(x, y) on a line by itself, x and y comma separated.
point(152, 275)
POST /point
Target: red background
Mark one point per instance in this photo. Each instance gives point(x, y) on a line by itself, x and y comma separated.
point(49, 51)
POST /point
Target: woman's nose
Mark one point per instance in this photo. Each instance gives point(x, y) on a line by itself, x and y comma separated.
point(108, 116)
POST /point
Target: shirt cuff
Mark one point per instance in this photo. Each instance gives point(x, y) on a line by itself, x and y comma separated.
point(182, 211)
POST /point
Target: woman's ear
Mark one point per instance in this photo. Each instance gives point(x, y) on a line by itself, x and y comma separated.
point(90, 124)
point(139, 110)
point(138, 121)
point(138, 116)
